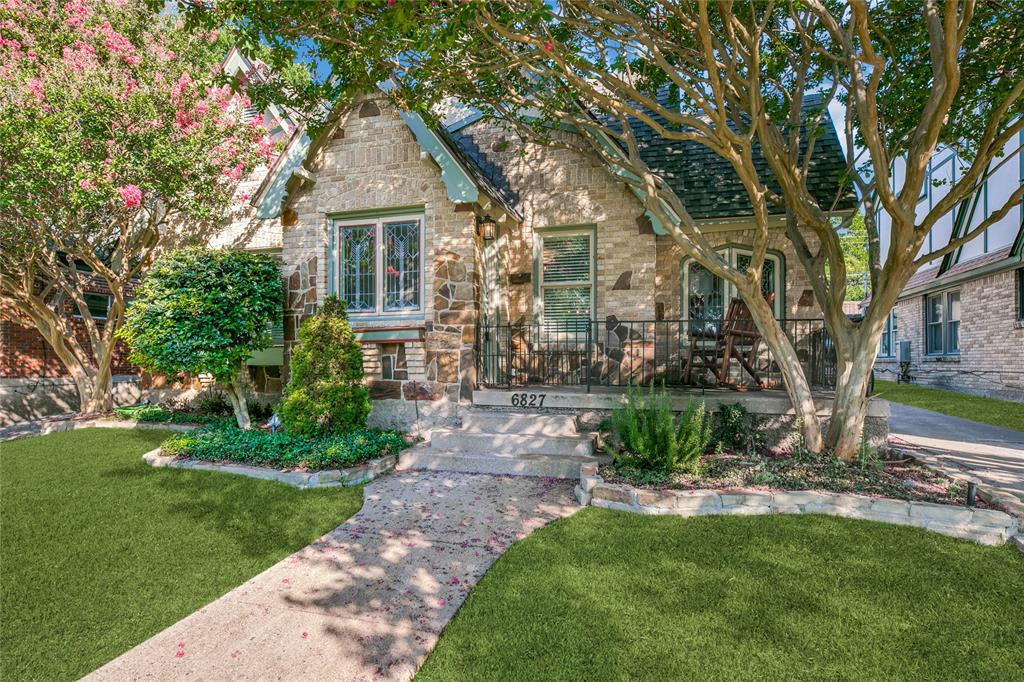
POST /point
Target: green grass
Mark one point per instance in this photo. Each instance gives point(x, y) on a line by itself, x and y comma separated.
point(609, 595)
point(99, 551)
point(1004, 413)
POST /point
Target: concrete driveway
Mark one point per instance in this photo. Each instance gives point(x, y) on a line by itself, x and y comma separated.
point(992, 455)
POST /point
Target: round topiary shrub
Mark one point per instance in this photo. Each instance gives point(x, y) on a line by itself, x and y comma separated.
point(324, 393)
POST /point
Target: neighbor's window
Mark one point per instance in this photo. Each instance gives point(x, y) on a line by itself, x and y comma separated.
point(566, 279)
point(887, 347)
point(942, 323)
point(1020, 294)
point(98, 304)
point(380, 264)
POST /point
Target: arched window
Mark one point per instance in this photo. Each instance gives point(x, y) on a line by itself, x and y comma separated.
point(705, 297)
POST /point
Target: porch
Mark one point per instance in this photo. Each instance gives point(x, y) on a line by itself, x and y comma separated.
point(590, 355)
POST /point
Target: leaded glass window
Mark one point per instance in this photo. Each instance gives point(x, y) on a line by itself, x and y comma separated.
point(705, 298)
point(358, 267)
point(402, 265)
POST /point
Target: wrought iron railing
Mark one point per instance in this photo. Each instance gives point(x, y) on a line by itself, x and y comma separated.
point(622, 352)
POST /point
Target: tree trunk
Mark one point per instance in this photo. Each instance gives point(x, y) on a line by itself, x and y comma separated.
point(849, 408)
point(235, 390)
point(102, 399)
point(793, 376)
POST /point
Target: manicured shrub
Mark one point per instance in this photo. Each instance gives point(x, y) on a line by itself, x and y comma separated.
point(650, 438)
point(205, 311)
point(736, 429)
point(227, 443)
point(325, 394)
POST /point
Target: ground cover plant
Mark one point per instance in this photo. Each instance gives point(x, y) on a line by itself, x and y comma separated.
point(155, 413)
point(101, 551)
point(1004, 413)
point(224, 443)
point(606, 595)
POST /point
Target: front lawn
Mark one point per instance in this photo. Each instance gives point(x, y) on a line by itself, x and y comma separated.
point(1004, 413)
point(99, 551)
point(606, 595)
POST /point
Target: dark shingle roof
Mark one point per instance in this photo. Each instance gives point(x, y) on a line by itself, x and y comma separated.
point(488, 176)
point(710, 188)
point(705, 182)
point(932, 276)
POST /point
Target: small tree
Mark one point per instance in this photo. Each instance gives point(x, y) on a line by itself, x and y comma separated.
point(324, 394)
point(116, 143)
point(202, 311)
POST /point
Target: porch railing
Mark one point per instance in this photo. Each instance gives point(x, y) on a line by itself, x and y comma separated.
point(622, 352)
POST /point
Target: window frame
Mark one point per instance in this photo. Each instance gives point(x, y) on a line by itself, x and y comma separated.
point(888, 332)
point(945, 325)
point(552, 232)
point(1020, 289)
point(378, 221)
point(99, 318)
point(732, 253)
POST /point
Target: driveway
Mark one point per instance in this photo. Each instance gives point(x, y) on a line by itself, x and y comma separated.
point(993, 455)
point(368, 600)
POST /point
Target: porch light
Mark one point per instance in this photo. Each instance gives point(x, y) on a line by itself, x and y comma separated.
point(486, 228)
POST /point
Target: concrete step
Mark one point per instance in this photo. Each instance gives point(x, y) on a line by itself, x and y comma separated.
point(550, 466)
point(519, 423)
point(474, 442)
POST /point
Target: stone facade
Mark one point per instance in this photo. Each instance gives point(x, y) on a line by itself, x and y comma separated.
point(991, 357)
point(372, 162)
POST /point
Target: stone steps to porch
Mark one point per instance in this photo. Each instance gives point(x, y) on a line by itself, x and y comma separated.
point(505, 443)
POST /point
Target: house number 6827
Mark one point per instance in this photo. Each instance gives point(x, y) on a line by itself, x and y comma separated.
point(528, 399)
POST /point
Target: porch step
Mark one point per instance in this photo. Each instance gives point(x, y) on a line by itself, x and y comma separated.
point(424, 457)
point(480, 443)
point(519, 423)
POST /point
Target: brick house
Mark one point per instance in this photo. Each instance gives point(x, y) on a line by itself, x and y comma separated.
point(468, 260)
point(959, 322)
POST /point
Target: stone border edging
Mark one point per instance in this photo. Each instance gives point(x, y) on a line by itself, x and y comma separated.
point(326, 478)
point(983, 526)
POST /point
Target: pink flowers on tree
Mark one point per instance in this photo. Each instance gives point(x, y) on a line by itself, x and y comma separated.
point(109, 110)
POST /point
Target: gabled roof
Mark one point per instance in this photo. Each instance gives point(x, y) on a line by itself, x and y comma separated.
point(709, 187)
point(934, 278)
point(488, 175)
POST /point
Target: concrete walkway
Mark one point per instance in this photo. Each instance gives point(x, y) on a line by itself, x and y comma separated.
point(993, 455)
point(368, 600)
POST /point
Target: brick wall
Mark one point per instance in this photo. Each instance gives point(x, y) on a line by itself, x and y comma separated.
point(991, 359)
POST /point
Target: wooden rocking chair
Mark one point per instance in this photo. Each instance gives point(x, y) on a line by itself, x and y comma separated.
point(738, 338)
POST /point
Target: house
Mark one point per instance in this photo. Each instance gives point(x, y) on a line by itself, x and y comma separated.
point(959, 322)
point(469, 259)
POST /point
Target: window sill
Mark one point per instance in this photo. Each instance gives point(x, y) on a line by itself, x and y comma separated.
point(942, 358)
point(1018, 324)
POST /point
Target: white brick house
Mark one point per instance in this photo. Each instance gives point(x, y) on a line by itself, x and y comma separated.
point(962, 317)
point(466, 259)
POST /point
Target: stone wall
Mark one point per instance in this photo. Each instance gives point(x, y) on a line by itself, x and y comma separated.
point(984, 526)
point(991, 359)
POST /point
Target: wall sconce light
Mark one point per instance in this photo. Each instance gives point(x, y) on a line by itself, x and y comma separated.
point(487, 228)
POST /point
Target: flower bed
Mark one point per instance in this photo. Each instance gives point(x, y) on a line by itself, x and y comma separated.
point(900, 479)
point(984, 526)
point(225, 443)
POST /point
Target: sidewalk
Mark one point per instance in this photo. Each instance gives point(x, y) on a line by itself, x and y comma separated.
point(365, 602)
point(992, 455)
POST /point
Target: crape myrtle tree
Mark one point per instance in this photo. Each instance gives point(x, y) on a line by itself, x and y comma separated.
point(205, 311)
point(912, 76)
point(117, 141)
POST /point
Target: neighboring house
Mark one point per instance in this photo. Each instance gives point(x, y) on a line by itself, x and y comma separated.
point(961, 318)
point(467, 258)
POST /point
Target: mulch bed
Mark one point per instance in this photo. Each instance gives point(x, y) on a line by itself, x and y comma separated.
point(902, 479)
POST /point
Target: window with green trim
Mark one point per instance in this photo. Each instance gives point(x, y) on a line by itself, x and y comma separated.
point(887, 346)
point(942, 323)
point(380, 265)
point(566, 274)
point(1020, 294)
point(98, 305)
